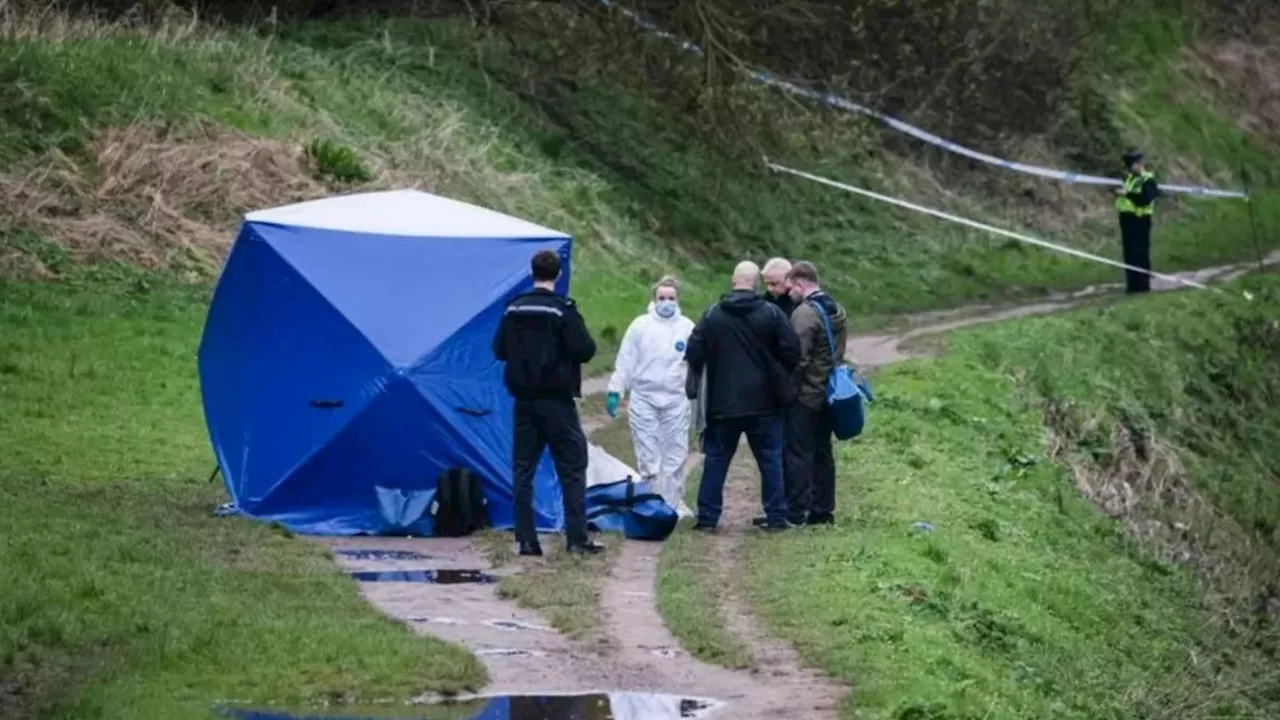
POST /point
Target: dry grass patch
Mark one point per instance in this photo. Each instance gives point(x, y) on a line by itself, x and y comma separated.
point(1141, 483)
point(1247, 75)
point(53, 21)
point(156, 197)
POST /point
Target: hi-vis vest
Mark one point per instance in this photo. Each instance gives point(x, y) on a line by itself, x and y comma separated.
point(1133, 184)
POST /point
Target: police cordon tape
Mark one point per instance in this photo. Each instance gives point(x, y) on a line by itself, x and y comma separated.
point(990, 228)
point(847, 105)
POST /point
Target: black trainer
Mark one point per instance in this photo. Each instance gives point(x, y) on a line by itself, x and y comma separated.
point(759, 521)
point(699, 527)
point(773, 527)
point(589, 548)
point(820, 519)
point(530, 549)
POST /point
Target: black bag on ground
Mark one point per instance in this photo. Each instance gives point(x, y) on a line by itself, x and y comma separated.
point(460, 507)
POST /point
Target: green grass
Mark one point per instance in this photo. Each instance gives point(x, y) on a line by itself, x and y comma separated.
point(123, 596)
point(1024, 601)
point(563, 588)
point(691, 598)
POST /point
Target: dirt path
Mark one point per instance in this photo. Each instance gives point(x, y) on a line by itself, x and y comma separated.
point(529, 659)
point(775, 662)
point(886, 348)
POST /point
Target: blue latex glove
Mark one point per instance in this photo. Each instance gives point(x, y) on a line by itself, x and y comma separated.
point(611, 404)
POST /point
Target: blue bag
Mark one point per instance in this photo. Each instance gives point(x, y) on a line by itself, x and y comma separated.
point(630, 508)
point(846, 390)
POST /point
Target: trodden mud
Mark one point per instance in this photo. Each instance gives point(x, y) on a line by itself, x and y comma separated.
point(524, 656)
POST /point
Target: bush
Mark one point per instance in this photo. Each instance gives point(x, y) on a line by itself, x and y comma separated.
point(334, 161)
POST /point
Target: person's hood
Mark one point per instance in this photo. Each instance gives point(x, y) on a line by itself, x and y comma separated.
point(834, 311)
point(741, 302)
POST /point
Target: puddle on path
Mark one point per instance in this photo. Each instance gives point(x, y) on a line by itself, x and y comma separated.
point(371, 554)
point(509, 652)
point(435, 577)
point(586, 706)
point(517, 625)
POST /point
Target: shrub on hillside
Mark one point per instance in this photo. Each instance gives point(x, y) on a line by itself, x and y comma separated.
point(335, 161)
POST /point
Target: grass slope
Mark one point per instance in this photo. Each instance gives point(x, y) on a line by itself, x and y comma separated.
point(122, 596)
point(533, 116)
point(1023, 601)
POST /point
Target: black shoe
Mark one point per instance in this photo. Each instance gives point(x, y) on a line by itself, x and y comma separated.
point(759, 521)
point(700, 527)
point(820, 519)
point(773, 527)
point(530, 549)
point(589, 548)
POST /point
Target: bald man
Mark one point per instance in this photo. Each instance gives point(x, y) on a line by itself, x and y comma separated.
point(777, 287)
point(745, 349)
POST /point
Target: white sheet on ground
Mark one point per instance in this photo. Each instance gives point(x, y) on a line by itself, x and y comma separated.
point(604, 468)
point(642, 706)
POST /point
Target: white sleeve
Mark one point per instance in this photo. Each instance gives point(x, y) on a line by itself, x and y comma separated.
point(625, 364)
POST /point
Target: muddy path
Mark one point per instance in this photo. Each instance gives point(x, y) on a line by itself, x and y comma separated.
point(904, 343)
point(523, 655)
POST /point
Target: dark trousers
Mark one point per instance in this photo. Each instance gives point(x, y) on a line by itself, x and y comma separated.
point(1135, 235)
point(540, 424)
point(811, 466)
point(720, 442)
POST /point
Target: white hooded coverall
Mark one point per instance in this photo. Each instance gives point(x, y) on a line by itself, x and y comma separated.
point(651, 367)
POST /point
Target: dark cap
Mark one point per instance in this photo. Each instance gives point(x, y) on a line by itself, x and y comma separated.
point(1134, 155)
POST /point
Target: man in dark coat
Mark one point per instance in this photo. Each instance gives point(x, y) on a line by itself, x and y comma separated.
point(745, 349)
point(811, 468)
point(544, 343)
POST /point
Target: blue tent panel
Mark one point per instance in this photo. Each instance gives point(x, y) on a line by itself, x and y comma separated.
point(347, 360)
point(406, 294)
point(473, 424)
point(267, 325)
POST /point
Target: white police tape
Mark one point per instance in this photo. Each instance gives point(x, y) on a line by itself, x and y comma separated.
point(989, 228)
point(922, 135)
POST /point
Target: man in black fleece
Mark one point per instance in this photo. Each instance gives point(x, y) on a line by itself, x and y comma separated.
point(544, 342)
point(748, 350)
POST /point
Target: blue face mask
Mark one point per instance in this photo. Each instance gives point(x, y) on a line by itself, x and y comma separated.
point(665, 308)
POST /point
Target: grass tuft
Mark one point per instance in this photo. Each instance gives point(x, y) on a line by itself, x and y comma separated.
point(337, 162)
point(563, 588)
point(691, 600)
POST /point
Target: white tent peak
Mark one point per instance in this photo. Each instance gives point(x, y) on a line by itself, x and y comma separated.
point(407, 212)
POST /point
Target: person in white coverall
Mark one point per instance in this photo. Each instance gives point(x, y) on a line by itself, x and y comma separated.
point(651, 367)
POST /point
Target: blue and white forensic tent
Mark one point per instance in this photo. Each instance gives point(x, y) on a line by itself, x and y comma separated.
point(347, 361)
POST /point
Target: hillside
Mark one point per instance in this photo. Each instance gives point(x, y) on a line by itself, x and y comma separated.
point(144, 140)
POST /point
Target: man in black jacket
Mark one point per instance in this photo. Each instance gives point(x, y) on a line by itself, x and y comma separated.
point(544, 342)
point(747, 349)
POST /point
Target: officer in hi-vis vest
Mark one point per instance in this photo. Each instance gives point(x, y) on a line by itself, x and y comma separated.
point(1136, 202)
